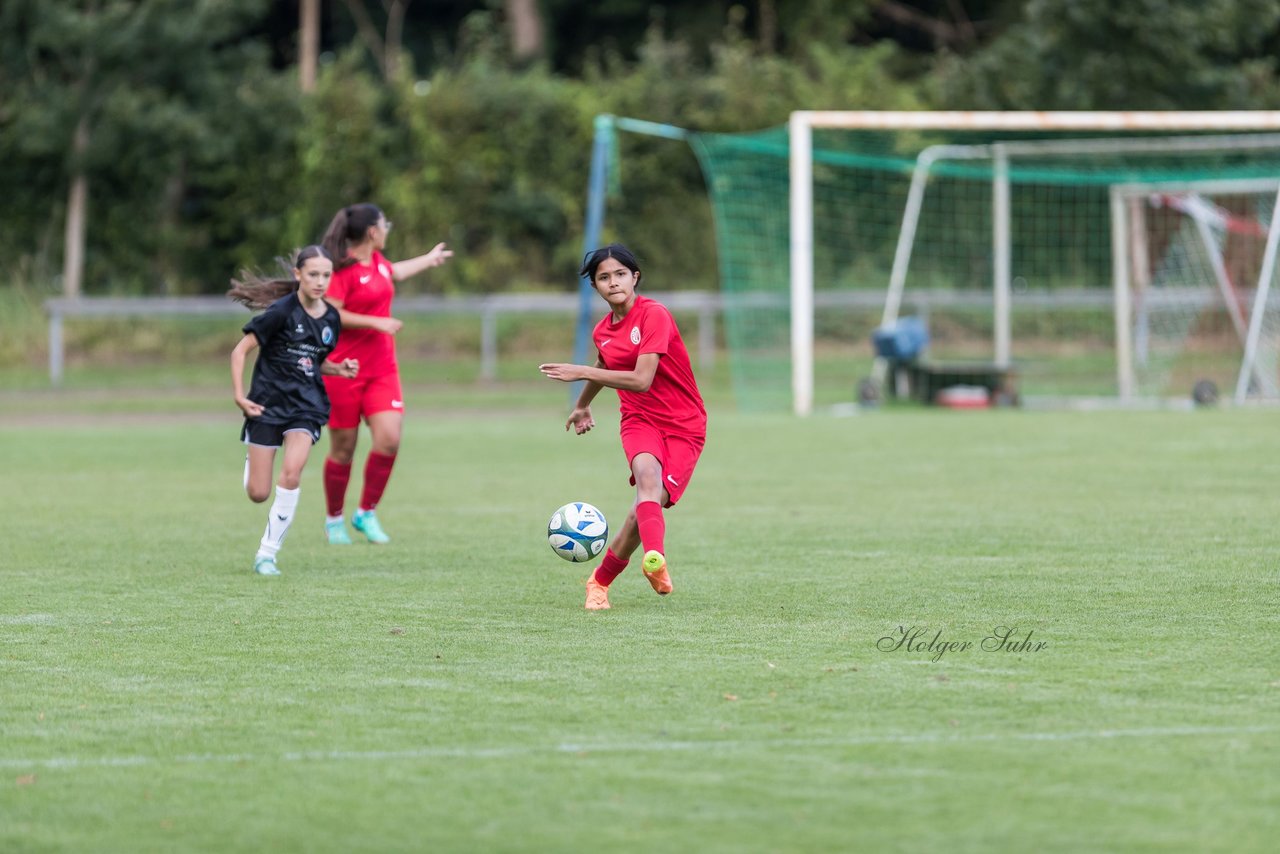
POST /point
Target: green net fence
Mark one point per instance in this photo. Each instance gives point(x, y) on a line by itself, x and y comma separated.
point(1197, 210)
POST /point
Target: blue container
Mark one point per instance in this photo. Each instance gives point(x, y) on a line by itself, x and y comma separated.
point(901, 341)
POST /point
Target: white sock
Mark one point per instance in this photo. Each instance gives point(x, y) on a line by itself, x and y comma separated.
point(278, 520)
point(328, 518)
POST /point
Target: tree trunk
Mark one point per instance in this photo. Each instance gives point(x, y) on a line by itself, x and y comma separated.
point(166, 261)
point(396, 10)
point(308, 43)
point(77, 214)
point(368, 32)
point(768, 27)
point(525, 24)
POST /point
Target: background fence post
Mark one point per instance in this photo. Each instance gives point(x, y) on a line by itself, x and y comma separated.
point(488, 341)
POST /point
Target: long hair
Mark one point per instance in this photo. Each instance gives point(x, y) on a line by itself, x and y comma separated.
point(257, 290)
point(348, 228)
point(617, 252)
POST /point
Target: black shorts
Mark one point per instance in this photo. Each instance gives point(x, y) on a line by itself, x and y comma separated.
point(256, 432)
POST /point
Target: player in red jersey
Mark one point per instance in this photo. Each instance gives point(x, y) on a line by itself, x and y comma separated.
point(639, 352)
point(286, 403)
point(362, 290)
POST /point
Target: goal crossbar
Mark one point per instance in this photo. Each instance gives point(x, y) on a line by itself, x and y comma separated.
point(803, 123)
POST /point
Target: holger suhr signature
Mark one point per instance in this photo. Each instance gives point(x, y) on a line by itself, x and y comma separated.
point(922, 639)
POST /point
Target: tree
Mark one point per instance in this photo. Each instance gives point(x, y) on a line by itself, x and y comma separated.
point(385, 46)
point(1141, 54)
point(525, 24)
point(118, 94)
point(308, 43)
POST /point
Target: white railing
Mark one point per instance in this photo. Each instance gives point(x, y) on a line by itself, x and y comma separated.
point(705, 304)
point(488, 308)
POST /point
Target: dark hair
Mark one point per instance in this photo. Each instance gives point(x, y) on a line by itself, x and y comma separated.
point(258, 291)
point(617, 252)
point(349, 226)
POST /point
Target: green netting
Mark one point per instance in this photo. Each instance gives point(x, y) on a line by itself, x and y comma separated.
point(1063, 327)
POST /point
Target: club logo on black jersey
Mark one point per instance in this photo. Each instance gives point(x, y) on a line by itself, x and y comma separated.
point(327, 335)
point(307, 366)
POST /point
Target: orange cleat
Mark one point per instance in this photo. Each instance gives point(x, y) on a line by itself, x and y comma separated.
point(655, 569)
point(597, 595)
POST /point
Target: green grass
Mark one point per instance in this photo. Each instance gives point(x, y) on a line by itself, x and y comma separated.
point(448, 692)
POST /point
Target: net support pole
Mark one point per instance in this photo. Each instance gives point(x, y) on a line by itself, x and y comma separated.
point(57, 349)
point(1247, 367)
point(902, 253)
point(801, 263)
point(1140, 281)
point(1003, 249)
point(1120, 286)
point(1213, 251)
point(907, 233)
point(597, 181)
point(1230, 297)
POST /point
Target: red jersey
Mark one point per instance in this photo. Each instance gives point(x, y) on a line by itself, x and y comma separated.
point(672, 403)
point(366, 289)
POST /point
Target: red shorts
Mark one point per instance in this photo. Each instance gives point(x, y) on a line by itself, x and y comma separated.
point(353, 399)
point(677, 454)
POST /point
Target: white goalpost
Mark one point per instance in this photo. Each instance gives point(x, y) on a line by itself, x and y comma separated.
point(1131, 135)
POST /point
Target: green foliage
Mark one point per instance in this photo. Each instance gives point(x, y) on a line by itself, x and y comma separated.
point(347, 148)
point(204, 156)
point(1146, 54)
point(494, 166)
point(153, 83)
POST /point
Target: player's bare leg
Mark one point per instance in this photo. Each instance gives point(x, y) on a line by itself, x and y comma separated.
point(259, 463)
point(650, 498)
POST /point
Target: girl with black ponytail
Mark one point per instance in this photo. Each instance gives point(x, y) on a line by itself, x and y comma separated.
point(362, 290)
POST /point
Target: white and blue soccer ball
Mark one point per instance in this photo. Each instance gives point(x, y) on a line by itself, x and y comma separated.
point(578, 532)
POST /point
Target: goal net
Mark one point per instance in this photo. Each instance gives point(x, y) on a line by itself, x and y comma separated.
point(1194, 254)
point(1093, 254)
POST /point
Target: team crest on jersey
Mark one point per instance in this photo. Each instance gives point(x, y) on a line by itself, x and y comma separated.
point(635, 335)
point(326, 336)
point(307, 366)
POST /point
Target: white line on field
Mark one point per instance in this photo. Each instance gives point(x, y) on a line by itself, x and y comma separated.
point(655, 746)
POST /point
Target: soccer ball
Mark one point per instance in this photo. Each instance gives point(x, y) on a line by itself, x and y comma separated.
point(577, 532)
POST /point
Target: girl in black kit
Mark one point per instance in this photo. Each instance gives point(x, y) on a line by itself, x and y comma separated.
point(286, 404)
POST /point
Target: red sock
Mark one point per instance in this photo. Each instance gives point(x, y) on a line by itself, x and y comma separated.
point(336, 477)
point(377, 470)
point(610, 568)
point(653, 527)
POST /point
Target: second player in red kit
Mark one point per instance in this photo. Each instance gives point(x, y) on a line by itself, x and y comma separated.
point(362, 290)
point(663, 421)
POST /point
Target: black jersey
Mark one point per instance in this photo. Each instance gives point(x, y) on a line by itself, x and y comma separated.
point(286, 377)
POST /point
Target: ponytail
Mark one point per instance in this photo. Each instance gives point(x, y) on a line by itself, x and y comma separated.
point(257, 290)
point(347, 229)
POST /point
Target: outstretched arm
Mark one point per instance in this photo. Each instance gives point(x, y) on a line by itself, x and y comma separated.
point(438, 255)
point(635, 380)
point(352, 320)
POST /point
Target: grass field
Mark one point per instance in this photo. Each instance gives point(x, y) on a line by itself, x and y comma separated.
point(448, 692)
